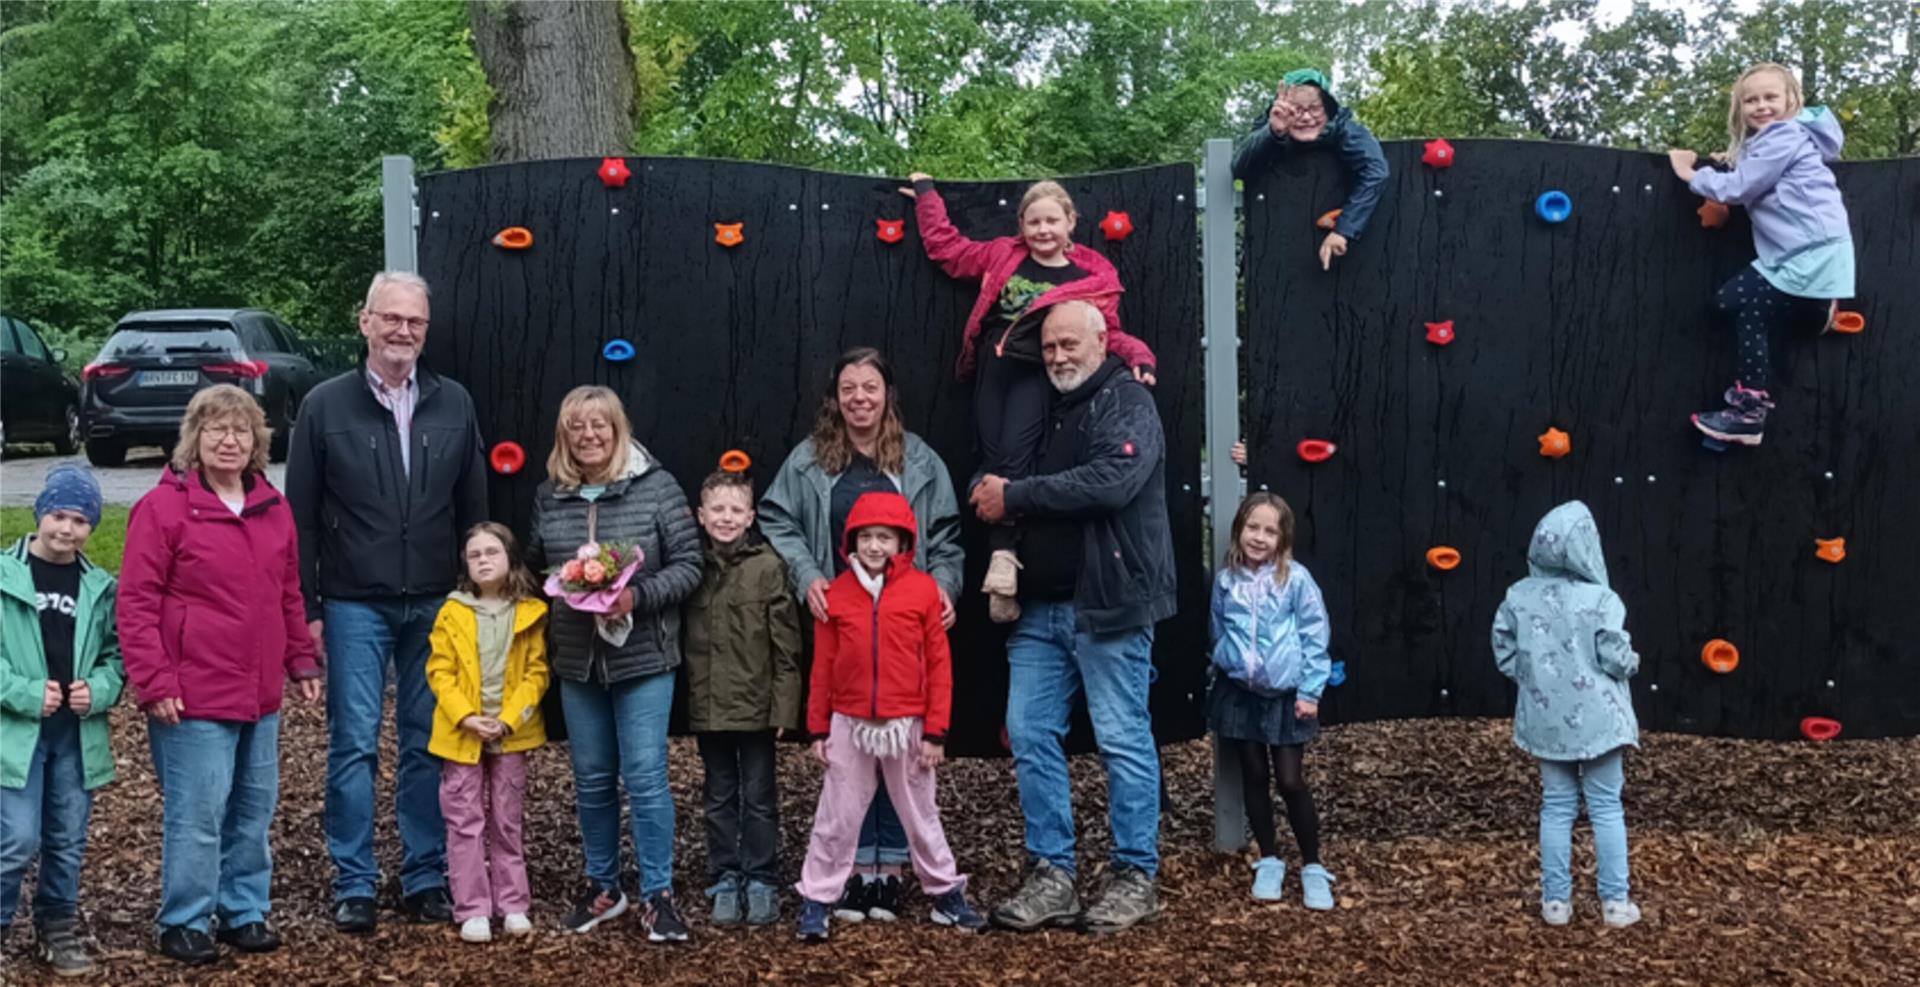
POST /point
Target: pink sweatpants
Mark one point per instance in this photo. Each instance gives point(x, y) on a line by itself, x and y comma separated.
point(486, 863)
point(844, 798)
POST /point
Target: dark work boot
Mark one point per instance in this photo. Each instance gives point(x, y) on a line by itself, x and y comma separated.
point(1744, 419)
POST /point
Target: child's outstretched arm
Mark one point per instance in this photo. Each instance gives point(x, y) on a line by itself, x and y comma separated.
point(957, 255)
point(1612, 645)
point(1506, 646)
point(1360, 152)
point(1762, 162)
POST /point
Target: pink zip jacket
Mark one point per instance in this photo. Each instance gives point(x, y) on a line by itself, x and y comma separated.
point(994, 261)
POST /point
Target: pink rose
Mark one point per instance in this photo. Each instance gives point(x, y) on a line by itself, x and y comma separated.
point(594, 571)
point(571, 571)
point(587, 551)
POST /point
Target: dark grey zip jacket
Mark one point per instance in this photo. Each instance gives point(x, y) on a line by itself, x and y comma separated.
point(647, 508)
point(369, 527)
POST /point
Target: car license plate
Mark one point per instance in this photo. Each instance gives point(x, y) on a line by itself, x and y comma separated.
point(169, 378)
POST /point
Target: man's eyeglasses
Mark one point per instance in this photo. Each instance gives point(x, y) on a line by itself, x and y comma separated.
point(392, 321)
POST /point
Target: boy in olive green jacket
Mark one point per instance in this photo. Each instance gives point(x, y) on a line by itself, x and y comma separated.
point(59, 672)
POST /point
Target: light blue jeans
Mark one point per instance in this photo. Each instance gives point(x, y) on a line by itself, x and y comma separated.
point(618, 733)
point(221, 783)
point(1049, 663)
point(46, 819)
point(1561, 786)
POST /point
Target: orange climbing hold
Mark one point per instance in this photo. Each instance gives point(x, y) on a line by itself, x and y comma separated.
point(728, 234)
point(1721, 656)
point(1830, 549)
point(514, 238)
point(735, 461)
point(1713, 215)
point(1327, 219)
point(1443, 557)
point(1819, 729)
point(1555, 443)
point(1849, 322)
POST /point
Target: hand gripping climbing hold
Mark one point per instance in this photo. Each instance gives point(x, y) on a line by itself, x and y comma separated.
point(1830, 549)
point(1553, 206)
point(1117, 225)
point(1443, 557)
point(507, 458)
point(1713, 215)
point(513, 238)
point(1555, 443)
point(1720, 655)
point(1819, 729)
point(1315, 450)
point(1328, 219)
point(890, 230)
point(617, 350)
point(614, 173)
point(1440, 333)
point(1439, 153)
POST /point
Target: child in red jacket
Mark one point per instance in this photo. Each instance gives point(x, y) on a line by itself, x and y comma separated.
point(1020, 278)
point(880, 697)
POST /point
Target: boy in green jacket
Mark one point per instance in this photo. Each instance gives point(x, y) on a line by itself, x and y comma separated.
point(59, 673)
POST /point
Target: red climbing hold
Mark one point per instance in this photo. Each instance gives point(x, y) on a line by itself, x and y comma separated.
point(1555, 443)
point(1440, 333)
point(507, 458)
point(513, 238)
point(1849, 322)
point(728, 234)
point(1819, 729)
point(1720, 655)
point(1328, 219)
point(614, 173)
point(1117, 225)
point(735, 461)
point(891, 230)
point(1315, 450)
point(1713, 215)
point(1439, 153)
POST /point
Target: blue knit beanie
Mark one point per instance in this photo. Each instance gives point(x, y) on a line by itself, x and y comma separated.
point(69, 488)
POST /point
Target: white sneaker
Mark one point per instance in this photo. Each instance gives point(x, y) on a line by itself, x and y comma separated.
point(1619, 914)
point(517, 924)
point(1556, 912)
point(476, 929)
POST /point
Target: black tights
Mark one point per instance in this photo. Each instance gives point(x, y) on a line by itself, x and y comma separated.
point(1011, 398)
point(1258, 795)
point(1764, 318)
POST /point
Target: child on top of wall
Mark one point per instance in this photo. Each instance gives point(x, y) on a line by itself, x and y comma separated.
point(1778, 152)
point(1270, 634)
point(881, 695)
point(1561, 636)
point(1020, 278)
point(743, 683)
point(1304, 116)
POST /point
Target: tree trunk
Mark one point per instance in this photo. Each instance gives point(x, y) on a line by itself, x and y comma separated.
point(562, 77)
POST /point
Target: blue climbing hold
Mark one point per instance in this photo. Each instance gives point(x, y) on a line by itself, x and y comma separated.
point(1553, 206)
point(618, 351)
point(1338, 675)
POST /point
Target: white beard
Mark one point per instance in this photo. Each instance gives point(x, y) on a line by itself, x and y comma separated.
point(1070, 378)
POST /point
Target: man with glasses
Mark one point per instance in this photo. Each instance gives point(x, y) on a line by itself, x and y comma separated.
point(384, 472)
point(1304, 116)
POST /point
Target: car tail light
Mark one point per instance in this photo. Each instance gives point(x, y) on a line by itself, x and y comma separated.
point(95, 371)
point(248, 369)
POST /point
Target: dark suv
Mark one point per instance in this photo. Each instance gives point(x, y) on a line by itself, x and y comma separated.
point(135, 392)
point(39, 402)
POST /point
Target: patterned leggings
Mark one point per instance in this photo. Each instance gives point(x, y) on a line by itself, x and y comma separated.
point(1760, 313)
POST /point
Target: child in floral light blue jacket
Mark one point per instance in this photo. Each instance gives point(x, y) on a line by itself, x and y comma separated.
point(1561, 637)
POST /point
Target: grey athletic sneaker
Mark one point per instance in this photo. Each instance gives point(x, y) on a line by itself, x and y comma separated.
point(1048, 898)
point(1129, 899)
point(61, 947)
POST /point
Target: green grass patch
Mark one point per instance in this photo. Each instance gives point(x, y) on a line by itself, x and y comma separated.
point(105, 547)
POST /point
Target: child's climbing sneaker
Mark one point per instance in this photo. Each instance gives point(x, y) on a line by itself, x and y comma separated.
point(854, 899)
point(1744, 419)
point(1268, 874)
point(516, 924)
point(1556, 912)
point(726, 902)
point(952, 909)
point(763, 904)
point(662, 919)
point(1619, 914)
point(888, 894)
point(1315, 887)
point(61, 948)
point(814, 916)
point(476, 929)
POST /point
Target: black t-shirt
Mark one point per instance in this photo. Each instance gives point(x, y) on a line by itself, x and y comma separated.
point(1004, 319)
point(861, 477)
point(56, 590)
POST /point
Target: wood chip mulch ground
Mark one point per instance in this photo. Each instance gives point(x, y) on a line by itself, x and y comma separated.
point(1756, 863)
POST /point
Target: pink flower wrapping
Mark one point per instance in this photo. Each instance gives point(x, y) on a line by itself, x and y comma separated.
point(593, 583)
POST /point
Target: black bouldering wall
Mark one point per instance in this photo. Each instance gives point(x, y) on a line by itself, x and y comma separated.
point(734, 343)
point(1600, 326)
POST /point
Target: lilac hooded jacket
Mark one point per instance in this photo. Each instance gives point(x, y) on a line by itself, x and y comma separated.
point(1800, 228)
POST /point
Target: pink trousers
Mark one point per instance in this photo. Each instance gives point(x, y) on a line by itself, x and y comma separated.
point(849, 789)
point(486, 863)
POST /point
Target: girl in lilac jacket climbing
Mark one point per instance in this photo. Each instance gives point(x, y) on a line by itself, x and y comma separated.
point(1020, 278)
point(1776, 166)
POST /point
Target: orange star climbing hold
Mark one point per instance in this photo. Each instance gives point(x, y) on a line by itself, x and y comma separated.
point(1555, 443)
point(1713, 215)
point(728, 234)
point(1830, 549)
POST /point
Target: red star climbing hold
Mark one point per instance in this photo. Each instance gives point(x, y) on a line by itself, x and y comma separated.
point(614, 173)
point(1440, 333)
point(891, 230)
point(1117, 225)
point(1439, 153)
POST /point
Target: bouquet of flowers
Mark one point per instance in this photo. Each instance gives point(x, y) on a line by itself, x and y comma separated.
point(594, 578)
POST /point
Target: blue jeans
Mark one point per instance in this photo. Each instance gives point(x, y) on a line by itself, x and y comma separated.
point(618, 733)
point(221, 781)
point(362, 637)
point(1048, 663)
point(1561, 785)
point(47, 818)
point(883, 841)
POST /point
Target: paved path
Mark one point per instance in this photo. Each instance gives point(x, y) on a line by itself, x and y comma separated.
point(21, 475)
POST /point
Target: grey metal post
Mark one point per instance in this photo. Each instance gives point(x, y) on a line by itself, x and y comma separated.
point(400, 218)
point(1218, 276)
